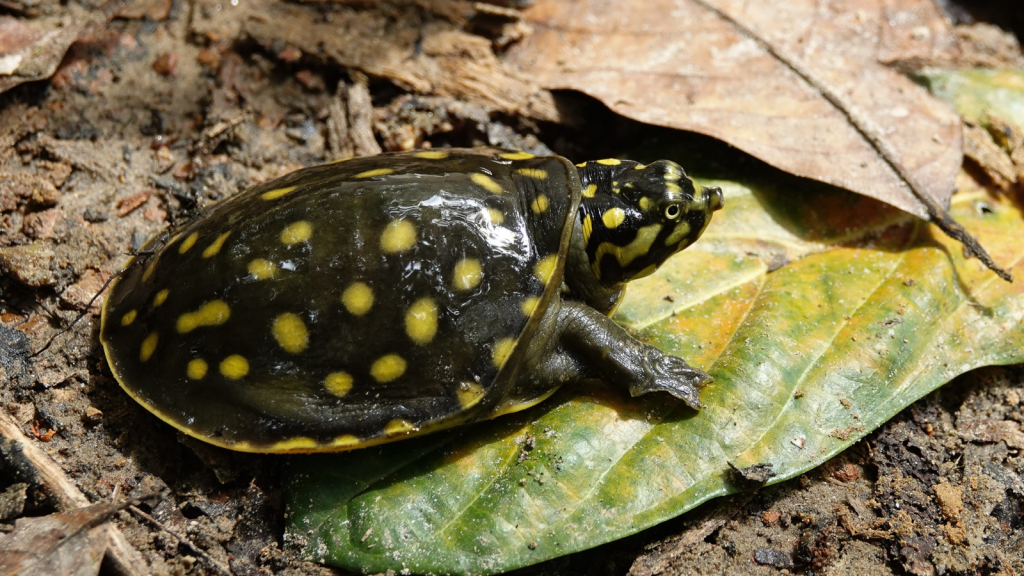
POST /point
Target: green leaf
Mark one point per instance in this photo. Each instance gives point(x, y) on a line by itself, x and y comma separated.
point(976, 91)
point(820, 315)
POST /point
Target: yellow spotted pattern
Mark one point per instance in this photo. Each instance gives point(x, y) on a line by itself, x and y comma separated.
point(338, 384)
point(421, 321)
point(375, 172)
point(261, 269)
point(496, 217)
point(387, 368)
point(502, 350)
point(357, 298)
point(148, 346)
point(398, 236)
point(613, 217)
point(516, 156)
point(468, 274)
point(529, 305)
point(188, 243)
point(296, 232)
point(129, 317)
point(540, 204)
point(590, 191)
point(645, 203)
point(275, 194)
point(545, 268)
point(399, 426)
point(432, 154)
point(536, 173)
point(682, 230)
point(610, 161)
point(150, 268)
point(216, 245)
point(296, 444)
point(346, 441)
point(487, 183)
point(234, 367)
point(161, 297)
point(196, 369)
point(588, 228)
point(212, 313)
point(469, 394)
point(290, 332)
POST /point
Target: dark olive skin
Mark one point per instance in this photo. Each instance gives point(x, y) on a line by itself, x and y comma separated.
point(371, 299)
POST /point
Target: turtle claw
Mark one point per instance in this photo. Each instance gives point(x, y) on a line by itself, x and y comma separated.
point(673, 375)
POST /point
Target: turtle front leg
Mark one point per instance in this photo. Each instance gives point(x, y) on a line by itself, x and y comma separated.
point(588, 344)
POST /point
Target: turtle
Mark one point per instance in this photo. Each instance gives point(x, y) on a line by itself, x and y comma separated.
point(372, 299)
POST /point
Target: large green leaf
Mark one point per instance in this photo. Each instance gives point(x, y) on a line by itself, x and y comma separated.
point(819, 313)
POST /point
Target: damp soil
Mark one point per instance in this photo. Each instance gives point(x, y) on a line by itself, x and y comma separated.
point(171, 106)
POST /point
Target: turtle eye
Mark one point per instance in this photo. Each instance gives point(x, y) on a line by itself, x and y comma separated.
point(672, 211)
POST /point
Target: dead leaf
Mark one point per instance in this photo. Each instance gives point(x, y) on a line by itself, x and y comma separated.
point(428, 55)
point(32, 49)
point(682, 65)
point(70, 544)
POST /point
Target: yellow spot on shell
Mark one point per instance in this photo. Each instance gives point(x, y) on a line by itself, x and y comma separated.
point(639, 167)
point(681, 231)
point(346, 441)
point(432, 154)
point(502, 350)
point(610, 161)
point(468, 274)
point(645, 203)
point(590, 191)
point(161, 297)
point(421, 321)
point(296, 444)
point(357, 298)
point(338, 384)
point(495, 216)
point(487, 182)
point(469, 394)
point(216, 245)
point(148, 346)
point(537, 173)
point(581, 164)
point(387, 368)
point(540, 204)
point(613, 217)
point(296, 232)
point(261, 269)
point(545, 268)
point(399, 426)
point(338, 161)
point(375, 172)
point(213, 313)
point(197, 369)
point(588, 228)
point(129, 317)
point(234, 367)
point(188, 242)
point(290, 332)
point(516, 156)
point(275, 194)
point(529, 305)
point(398, 236)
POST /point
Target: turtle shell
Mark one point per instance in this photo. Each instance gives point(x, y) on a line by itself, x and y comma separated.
point(346, 304)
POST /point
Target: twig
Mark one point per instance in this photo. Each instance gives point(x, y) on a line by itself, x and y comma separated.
point(66, 495)
point(873, 135)
point(217, 566)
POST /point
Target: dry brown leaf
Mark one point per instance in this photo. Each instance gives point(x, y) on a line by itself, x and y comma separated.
point(430, 56)
point(71, 543)
point(32, 49)
point(682, 65)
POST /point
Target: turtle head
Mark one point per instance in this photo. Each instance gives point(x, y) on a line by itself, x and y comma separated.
point(634, 217)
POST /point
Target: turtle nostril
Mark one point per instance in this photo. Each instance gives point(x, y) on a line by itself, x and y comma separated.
point(715, 200)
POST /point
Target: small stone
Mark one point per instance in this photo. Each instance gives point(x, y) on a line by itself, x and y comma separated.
point(166, 63)
point(92, 416)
